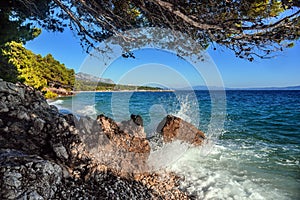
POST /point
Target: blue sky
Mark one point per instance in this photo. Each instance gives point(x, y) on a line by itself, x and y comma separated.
point(282, 70)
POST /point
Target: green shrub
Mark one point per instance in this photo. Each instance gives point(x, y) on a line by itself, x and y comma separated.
point(50, 95)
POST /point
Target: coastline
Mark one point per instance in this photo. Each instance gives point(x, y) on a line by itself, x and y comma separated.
point(74, 93)
point(87, 91)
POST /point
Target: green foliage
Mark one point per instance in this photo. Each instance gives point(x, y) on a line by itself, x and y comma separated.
point(34, 70)
point(290, 45)
point(50, 95)
point(57, 74)
point(15, 30)
point(18, 19)
point(8, 72)
point(255, 28)
point(250, 28)
point(148, 88)
point(263, 8)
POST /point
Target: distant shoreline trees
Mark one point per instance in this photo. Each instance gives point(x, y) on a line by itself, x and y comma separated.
point(84, 85)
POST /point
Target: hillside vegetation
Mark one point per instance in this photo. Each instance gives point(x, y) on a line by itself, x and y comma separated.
point(20, 64)
point(84, 85)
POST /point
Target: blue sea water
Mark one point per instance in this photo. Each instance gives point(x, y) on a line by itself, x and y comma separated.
point(253, 150)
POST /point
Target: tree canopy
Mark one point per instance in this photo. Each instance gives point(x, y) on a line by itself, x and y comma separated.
point(250, 28)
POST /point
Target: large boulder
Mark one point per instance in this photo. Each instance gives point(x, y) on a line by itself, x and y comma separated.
point(174, 128)
point(113, 147)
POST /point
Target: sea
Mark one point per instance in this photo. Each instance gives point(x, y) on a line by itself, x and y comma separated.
point(252, 149)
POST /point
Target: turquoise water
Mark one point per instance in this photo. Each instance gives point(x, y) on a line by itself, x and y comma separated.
point(253, 151)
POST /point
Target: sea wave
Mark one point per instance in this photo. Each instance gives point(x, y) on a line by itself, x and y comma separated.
point(167, 155)
point(220, 175)
point(56, 102)
point(75, 107)
point(60, 104)
point(88, 110)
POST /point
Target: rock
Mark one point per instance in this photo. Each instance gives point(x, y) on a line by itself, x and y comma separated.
point(87, 125)
point(10, 88)
point(164, 184)
point(59, 91)
point(27, 176)
point(134, 126)
point(108, 125)
point(156, 142)
point(23, 115)
point(119, 149)
point(39, 124)
point(3, 108)
point(137, 119)
point(60, 151)
point(174, 128)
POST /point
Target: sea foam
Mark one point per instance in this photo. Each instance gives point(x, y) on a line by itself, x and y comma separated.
point(88, 110)
point(218, 175)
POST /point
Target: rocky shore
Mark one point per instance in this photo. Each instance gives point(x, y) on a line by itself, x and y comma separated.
point(47, 155)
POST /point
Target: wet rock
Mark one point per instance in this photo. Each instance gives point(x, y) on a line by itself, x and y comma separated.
point(117, 148)
point(156, 142)
point(137, 119)
point(174, 128)
point(86, 124)
point(134, 126)
point(105, 185)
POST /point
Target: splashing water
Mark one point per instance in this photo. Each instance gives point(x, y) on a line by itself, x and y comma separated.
point(221, 174)
point(60, 104)
point(169, 153)
point(88, 110)
point(56, 103)
point(254, 156)
point(189, 108)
